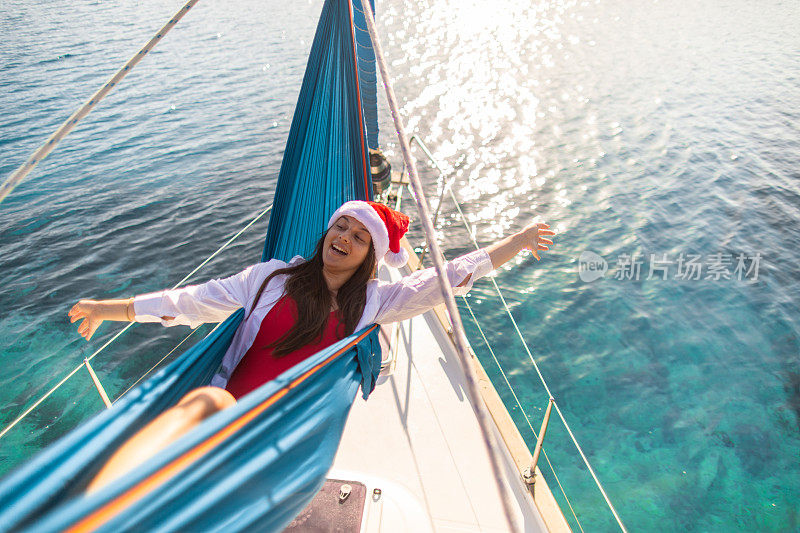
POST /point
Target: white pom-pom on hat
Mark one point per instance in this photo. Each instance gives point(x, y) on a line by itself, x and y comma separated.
point(396, 260)
point(385, 225)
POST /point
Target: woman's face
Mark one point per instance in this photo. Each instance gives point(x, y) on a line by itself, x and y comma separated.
point(346, 244)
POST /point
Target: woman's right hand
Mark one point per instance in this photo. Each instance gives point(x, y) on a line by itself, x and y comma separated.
point(91, 312)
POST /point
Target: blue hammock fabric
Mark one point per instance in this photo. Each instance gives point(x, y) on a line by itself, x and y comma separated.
point(256, 480)
point(265, 472)
point(61, 471)
point(255, 465)
point(312, 184)
point(367, 73)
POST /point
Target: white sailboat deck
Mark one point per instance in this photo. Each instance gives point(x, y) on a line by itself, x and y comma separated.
point(417, 440)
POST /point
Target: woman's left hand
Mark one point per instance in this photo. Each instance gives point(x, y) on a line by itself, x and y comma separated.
point(531, 238)
point(534, 240)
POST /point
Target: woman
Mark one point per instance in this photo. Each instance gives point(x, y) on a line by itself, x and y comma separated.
point(292, 311)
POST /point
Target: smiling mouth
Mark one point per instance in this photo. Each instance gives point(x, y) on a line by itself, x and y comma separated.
point(337, 250)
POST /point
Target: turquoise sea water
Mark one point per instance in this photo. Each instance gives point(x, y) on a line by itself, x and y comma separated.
point(665, 128)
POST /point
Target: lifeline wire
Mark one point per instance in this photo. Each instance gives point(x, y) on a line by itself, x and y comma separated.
point(541, 377)
point(123, 330)
point(460, 337)
point(446, 184)
point(516, 399)
point(42, 152)
point(471, 232)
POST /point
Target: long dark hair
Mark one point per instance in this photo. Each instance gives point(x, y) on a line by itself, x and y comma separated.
point(307, 287)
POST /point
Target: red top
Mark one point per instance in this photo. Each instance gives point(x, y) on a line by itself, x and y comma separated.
point(259, 365)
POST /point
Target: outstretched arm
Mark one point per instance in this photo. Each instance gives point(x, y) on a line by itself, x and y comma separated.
point(95, 311)
point(420, 291)
point(191, 305)
point(529, 238)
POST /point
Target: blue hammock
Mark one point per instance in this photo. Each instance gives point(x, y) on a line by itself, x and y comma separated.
point(253, 466)
point(312, 184)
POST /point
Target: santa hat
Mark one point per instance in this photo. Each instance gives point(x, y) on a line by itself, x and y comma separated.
point(385, 225)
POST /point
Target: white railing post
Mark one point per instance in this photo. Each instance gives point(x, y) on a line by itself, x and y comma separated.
point(97, 384)
point(529, 474)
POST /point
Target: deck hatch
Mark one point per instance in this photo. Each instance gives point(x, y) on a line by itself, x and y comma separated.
point(327, 512)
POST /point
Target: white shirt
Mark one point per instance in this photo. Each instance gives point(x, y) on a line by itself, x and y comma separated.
point(217, 299)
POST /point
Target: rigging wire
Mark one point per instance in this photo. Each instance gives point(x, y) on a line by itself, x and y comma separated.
point(186, 338)
point(40, 153)
point(123, 330)
point(446, 187)
point(458, 329)
point(19, 175)
point(471, 233)
point(522, 409)
point(16, 178)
